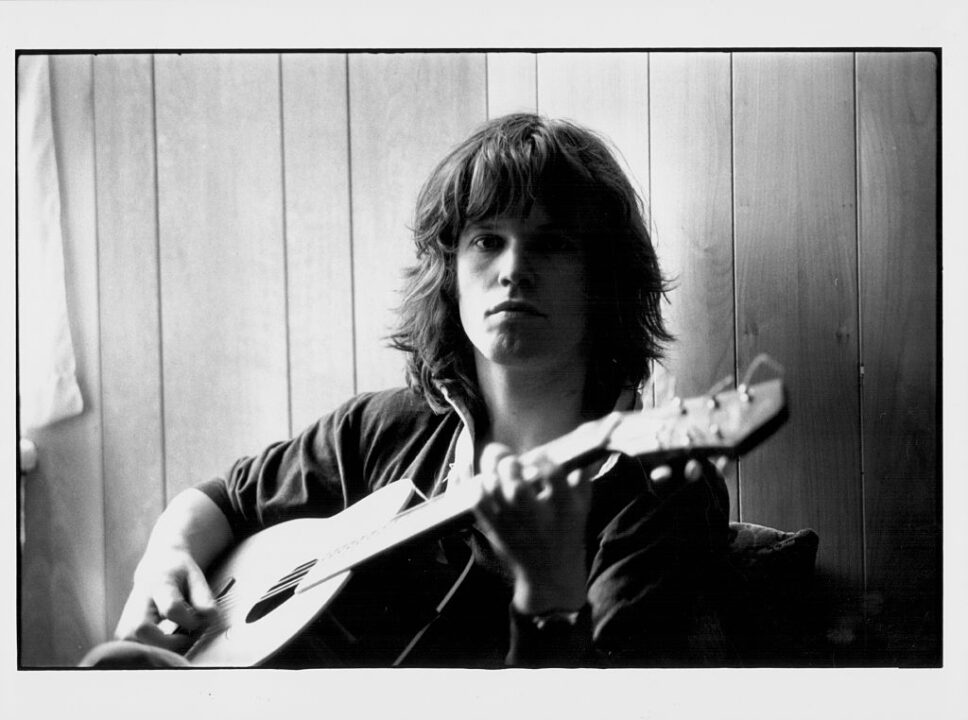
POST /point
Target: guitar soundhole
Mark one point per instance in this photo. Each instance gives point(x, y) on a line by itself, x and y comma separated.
point(279, 593)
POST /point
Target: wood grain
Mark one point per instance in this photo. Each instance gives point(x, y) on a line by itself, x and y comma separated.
point(62, 577)
point(406, 112)
point(797, 292)
point(222, 260)
point(129, 315)
point(319, 253)
point(511, 83)
point(897, 122)
point(691, 181)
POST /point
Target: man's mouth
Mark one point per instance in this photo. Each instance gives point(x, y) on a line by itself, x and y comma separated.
point(515, 306)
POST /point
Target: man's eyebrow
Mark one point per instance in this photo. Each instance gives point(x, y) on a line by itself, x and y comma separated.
point(557, 228)
point(545, 227)
point(480, 225)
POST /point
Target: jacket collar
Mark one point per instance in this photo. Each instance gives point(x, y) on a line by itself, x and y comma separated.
point(629, 399)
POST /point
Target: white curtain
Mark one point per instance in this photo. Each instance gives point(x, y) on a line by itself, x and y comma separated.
point(48, 386)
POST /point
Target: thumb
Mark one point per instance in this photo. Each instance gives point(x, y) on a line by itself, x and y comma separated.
point(199, 591)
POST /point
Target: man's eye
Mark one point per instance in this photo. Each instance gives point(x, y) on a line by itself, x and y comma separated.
point(557, 243)
point(487, 242)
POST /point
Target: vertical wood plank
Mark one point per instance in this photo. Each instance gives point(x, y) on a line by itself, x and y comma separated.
point(897, 122)
point(316, 142)
point(691, 181)
point(222, 260)
point(62, 580)
point(606, 92)
point(130, 331)
point(406, 112)
point(797, 294)
point(511, 83)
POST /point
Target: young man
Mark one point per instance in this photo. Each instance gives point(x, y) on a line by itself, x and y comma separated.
point(533, 307)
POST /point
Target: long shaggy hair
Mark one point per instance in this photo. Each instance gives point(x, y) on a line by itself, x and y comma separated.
point(504, 167)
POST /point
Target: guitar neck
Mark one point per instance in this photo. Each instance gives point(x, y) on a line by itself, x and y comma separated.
point(578, 447)
point(724, 425)
point(407, 525)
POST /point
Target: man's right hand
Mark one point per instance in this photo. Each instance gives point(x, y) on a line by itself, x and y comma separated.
point(168, 584)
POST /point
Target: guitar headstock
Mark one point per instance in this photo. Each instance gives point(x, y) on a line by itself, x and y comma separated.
point(727, 423)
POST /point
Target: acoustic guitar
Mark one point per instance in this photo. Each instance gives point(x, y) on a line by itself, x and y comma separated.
point(274, 584)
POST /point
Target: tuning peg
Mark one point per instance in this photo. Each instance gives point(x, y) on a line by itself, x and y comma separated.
point(712, 401)
point(721, 462)
point(744, 393)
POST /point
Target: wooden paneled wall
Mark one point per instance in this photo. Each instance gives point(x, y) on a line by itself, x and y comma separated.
point(236, 226)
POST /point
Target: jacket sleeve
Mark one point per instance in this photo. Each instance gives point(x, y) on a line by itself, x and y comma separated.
point(650, 553)
point(653, 561)
point(314, 474)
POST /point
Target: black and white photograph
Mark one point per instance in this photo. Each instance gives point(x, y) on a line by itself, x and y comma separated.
point(482, 363)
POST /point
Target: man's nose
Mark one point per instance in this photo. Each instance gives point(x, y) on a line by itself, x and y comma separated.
point(517, 265)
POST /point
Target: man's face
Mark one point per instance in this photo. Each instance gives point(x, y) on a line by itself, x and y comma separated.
point(522, 290)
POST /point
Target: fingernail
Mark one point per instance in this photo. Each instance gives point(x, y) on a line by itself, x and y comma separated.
point(661, 474)
point(693, 470)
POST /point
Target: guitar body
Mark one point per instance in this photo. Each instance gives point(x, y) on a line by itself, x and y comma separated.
point(259, 611)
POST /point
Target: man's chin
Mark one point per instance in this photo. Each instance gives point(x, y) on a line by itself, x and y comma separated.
point(524, 351)
point(525, 356)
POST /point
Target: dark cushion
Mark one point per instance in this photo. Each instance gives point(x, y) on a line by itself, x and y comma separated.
point(772, 559)
point(766, 608)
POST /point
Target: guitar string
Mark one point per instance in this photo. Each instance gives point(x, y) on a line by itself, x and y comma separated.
point(224, 606)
